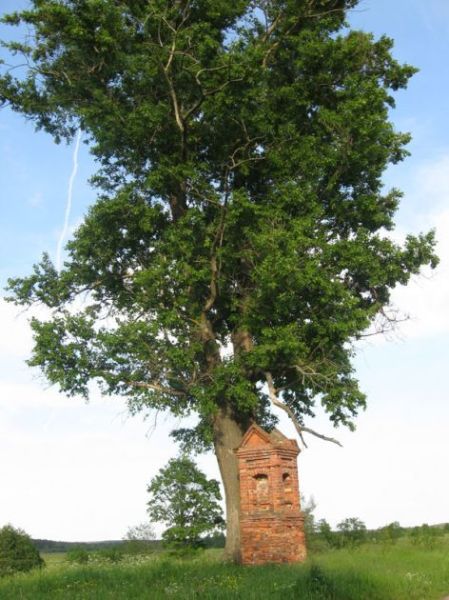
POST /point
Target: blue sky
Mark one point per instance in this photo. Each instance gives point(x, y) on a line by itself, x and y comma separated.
point(77, 472)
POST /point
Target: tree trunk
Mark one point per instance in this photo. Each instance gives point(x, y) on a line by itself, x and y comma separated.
point(227, 437)
point(228, 434)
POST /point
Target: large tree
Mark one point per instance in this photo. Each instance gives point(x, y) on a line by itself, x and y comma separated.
point(238, 246)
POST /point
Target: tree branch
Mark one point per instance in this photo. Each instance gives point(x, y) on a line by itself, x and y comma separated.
point(156, 387)
point(299, 428)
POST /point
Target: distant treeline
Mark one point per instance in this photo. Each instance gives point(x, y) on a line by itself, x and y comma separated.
point(50, 546)
point(350, 531)
point(353, 532)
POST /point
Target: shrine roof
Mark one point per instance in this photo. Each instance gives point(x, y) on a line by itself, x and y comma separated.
point(257, 437)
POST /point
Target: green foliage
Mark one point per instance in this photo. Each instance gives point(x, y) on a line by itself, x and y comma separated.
point(17, 551)
point(325, 534)
point(140, 539)
point(78, 556)
point(51, 547)
point(143, 532)
point(187, 502)
point(140, 547)
point(321, 584)
point(352, 532)
point(241, 148)
point(389, 534)
point(113, 555)
point(308, 506)
point(426, 536)
point(217, 540)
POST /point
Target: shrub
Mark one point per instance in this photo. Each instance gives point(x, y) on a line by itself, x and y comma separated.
point(308, 506)
point(78, 555)
point(139, 547)
point(326, 536)
point(426, 536)
point(143, 532)
point(352, 532)
point(321, 585)
point(140, 539)
point(113, 555)
point(389, 534)
point(17, 551)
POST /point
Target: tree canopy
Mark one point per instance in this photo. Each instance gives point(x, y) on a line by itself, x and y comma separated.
point(187, 501)
point(240, 235)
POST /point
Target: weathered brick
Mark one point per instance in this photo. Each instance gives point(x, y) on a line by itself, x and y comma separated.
point(271, 521)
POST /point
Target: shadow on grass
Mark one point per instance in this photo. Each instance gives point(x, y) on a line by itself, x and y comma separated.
point(318, 584)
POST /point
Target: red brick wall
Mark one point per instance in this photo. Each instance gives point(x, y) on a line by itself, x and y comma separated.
point(271, 522)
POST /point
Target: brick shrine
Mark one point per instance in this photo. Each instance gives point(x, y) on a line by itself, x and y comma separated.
point(271, 521)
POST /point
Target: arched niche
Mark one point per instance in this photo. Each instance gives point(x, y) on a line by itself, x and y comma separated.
point(261, 489)
point(287, 482)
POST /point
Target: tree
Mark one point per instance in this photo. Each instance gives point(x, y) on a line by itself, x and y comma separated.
point(426, 536)
point(308, 507)
point(144, 532)
point(140, 539)
point(17, 551)
point(239, 242)
point(389, 534)
point(326, 534)
point(184, 499)
point(352, 531)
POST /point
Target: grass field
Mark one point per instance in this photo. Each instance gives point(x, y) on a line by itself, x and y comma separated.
point(370, 572)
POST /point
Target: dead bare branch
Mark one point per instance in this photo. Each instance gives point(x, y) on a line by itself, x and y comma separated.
point(299, 428)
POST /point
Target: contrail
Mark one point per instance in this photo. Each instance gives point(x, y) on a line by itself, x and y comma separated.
point(68, 206)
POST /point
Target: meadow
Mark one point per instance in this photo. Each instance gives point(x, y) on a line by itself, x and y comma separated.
point(401, 571)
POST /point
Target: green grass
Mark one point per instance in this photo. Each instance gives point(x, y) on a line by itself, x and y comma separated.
point(54, 559)
point(400, 572)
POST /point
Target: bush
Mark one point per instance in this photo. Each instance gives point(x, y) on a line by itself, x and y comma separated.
point(140, 539)
point(78, 555)
point(389, 534)
point(352, 532)
point(139, 547)
point(426, 536)
point(326, 536)
point(17, 551)
point(143, 532)
point(308, 506)
point(113, 555)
